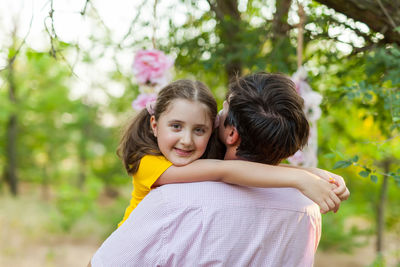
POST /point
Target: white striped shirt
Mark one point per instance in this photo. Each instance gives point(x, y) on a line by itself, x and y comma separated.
point(216, 224)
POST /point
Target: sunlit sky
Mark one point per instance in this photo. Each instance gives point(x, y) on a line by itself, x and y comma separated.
point(29, 18)
point(71, 26)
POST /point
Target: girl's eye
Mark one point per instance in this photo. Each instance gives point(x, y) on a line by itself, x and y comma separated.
point(175, 126)
point(200, 131)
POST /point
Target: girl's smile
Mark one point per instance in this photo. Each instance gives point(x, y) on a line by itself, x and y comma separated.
point(182, 152)
point(183, 131)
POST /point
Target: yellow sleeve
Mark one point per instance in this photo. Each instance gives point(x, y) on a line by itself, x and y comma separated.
point(150, 169)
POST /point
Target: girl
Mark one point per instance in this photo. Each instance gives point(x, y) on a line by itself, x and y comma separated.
point(163, 144)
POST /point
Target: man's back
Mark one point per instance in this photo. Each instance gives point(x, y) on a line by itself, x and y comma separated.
point(215, 224)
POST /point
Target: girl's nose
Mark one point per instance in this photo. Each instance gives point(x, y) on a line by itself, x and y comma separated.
point(186, 138)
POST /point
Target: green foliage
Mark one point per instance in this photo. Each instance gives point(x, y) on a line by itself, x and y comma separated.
point(378, 97)
point(206, 45)
point(282, 57)
point(366, 172)
point(73, 203)
point(60, 141)
point(345, 163)
point(336, 236)
point(379, 261)
point(342, 164)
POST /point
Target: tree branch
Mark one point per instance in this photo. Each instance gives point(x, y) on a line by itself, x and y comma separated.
point(386, 14)
point(217, 12)
point(376, 14)
point(280, 27)
point(84, 8)
point(133, 22)
point(12, 59)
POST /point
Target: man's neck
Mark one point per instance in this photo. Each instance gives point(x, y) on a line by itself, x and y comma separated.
point(230, 153)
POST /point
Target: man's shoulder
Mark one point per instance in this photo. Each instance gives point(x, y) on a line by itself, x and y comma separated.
point(221, 195)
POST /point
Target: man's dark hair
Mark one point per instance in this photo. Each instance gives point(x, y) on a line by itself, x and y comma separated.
point(268, 114)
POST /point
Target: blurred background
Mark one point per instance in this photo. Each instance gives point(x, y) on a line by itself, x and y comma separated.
point(67, 85)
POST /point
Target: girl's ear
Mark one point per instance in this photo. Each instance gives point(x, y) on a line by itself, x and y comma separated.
point(153, 125)
point(233, 136)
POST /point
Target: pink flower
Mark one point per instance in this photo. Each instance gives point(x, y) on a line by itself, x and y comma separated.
point(141, 100)
point(151, 66)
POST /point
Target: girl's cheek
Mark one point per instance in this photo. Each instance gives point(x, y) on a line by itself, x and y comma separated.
point(205, 141)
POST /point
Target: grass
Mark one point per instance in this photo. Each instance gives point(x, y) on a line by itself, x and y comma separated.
point(32, 234)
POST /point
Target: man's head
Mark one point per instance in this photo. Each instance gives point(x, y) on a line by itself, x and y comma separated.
point(263, 119)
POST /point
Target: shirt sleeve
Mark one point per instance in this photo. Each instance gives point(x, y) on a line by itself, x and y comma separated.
point(150, 169)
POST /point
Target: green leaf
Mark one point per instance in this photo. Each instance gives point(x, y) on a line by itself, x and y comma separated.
point(340, 154)
point(364, 174)
point(374, 178)
point(367, 169)
point(355, 158)
point(351, 95)
point(342, 164)
point(329, 156)
point(397, 179)
point(394, 126)
point(368, 96)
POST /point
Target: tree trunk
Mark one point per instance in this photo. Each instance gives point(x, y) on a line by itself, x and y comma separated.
point(11, 135)
point(229, 19)
point(47, 170)
point(82, 148)
point(82, 168)
point(45, 184)
point(380, 15)
point(281, 46)
point(280, 27)
point(380, 224)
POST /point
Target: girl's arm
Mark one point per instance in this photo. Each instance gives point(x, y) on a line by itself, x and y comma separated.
point(253, 174)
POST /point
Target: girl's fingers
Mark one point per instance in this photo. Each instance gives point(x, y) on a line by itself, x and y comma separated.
point(339, 190)
point(335, 200)
point(330, 204)
point(336, 209)
point(345, 195)
point(333, 181)
point(324, 208)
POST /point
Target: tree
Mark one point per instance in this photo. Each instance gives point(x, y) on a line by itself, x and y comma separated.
point(228, 16)
point(10, 168)
point(381, 16)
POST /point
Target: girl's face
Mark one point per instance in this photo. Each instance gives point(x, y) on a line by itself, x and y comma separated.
point(183, 131)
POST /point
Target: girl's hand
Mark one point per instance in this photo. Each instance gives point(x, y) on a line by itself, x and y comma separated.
point(340, 190)
point(321, 192)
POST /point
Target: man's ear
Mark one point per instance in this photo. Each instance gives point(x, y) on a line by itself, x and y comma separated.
point(233, 137)
point(153, 125)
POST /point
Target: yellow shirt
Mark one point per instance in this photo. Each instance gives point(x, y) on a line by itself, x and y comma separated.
point(150, 169)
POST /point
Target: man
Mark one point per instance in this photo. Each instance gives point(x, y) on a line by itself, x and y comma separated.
point(216, 224)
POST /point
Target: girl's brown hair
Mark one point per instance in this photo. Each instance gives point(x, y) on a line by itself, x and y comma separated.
point(138, 139)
